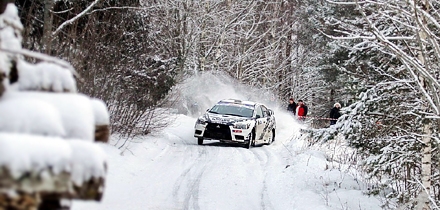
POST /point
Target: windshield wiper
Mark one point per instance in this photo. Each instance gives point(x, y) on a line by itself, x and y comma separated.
point(214, 112)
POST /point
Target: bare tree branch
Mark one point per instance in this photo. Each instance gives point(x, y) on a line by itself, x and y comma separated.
point(68, 22)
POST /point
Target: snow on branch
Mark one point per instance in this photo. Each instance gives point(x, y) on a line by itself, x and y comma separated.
point(61, 12)
point(390, 38)
point(120, 8)
point(347, 3)
point(68, 22)
point(399, 52)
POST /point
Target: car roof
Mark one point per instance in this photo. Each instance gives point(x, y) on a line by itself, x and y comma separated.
point(238, 102)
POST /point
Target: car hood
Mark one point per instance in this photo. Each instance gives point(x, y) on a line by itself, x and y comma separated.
point(224, 119)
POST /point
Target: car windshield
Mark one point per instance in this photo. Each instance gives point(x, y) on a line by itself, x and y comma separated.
point(235, 110)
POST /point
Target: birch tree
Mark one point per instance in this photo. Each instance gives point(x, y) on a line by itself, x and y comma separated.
point(405, 33)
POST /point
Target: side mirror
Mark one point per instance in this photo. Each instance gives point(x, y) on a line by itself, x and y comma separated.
point(258, 116)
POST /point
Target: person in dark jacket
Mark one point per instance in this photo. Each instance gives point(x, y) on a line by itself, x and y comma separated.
point(301, 110)
point(334, 113)
point(292, 106)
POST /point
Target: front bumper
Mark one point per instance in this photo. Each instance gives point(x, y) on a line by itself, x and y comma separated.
point(222, 132)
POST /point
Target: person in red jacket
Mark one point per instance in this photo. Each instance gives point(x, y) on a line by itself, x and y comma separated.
point(301, 110)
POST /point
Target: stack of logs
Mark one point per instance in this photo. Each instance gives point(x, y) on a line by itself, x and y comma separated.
point(45, 186)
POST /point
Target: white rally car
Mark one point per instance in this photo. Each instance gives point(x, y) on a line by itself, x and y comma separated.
point(235, 121)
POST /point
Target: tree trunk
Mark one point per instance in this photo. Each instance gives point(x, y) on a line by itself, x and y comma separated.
point(426, 167)
point(47, 27)
point(423, 201)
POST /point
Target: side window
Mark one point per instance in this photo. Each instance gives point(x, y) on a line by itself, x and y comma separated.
point(259, 112)
point(265, 111)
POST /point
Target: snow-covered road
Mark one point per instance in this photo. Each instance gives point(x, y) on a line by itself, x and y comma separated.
point(170, 171)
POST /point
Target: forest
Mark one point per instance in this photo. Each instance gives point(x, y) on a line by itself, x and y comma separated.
point(379, 59)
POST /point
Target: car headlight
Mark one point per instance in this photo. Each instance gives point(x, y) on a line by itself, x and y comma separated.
point(242, 125)
point(201, 121)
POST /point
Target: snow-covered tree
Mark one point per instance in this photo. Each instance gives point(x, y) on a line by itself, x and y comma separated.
point(115, 48)
point(396, 118)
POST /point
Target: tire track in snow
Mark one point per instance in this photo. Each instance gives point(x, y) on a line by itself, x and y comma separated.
point(193, 193)
point(265, 162)
point(191, 178)
point(201, 158)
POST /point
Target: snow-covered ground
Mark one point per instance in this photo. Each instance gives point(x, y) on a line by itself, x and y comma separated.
point(169, 170)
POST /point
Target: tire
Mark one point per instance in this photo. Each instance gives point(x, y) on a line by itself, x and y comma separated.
point(253, 138)
point(273, 135)
point(272, 139)
point(251, 141)
point(199, 141)
point(247, 145)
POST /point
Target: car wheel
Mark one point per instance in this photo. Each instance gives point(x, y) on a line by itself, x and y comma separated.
point(272, 137)
point(251, 141)
point(247, 145)
point(252, 138)
point(200, 141)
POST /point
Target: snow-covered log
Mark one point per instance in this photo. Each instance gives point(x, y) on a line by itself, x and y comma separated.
point(50, 166)
point(47, 130)
point(102, 120)
point(10, 38)
point(73, 112)
point(44, 76)
point(19, 201)
point(102, 133)
point(50, 114)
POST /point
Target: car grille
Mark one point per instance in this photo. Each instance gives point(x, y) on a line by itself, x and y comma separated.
point(217, 131)
point(239, 137)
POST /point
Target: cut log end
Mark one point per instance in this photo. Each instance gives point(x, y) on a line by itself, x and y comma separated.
point(20, 201)
point(2, 87)
point(102, 133)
